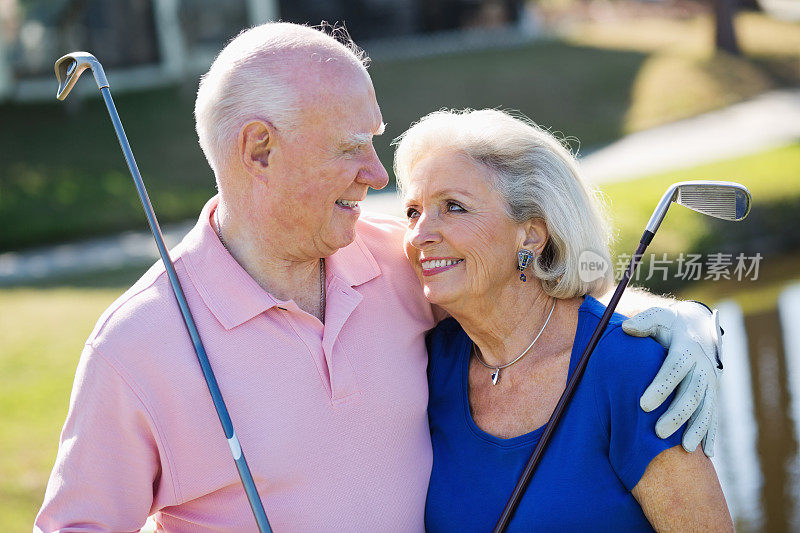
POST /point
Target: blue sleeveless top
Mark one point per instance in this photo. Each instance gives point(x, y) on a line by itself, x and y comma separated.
point(597, 455)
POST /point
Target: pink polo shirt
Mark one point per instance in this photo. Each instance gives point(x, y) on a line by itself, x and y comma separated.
point(332, 419)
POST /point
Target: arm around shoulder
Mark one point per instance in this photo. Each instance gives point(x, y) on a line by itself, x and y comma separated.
point(679, 491)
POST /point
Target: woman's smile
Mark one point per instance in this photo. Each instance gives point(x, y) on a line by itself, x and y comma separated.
point(434, 265)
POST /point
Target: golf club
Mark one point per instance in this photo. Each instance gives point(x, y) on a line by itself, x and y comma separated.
point(68, 69)
point(720, 199)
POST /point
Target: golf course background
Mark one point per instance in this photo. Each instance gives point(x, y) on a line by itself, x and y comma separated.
point(62, 177)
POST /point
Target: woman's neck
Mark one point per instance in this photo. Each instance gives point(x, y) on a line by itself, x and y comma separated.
point(503, 326)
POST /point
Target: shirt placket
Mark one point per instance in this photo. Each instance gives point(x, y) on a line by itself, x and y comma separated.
point(342, 300)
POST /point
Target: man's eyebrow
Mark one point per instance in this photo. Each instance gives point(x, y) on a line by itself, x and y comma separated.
point(362, 139)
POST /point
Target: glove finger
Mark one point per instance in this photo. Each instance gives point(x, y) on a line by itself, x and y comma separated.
point(676, 365)
point(699, 423)
point(708, 440)
point(654, 322)
point(689, 395)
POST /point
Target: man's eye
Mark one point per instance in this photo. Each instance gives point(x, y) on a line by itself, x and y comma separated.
point(412, 213)
point(453, 206)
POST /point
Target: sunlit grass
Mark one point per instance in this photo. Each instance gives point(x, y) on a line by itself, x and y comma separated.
point(770, 176)
point(42, 332)
point(683, 75)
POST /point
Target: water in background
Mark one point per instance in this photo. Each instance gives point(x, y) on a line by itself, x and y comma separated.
point(759, 407)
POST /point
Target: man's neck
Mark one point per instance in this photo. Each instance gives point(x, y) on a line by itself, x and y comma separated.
point(283, 276)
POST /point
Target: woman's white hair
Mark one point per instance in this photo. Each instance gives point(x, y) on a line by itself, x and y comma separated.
point(538, 177)
point(252, 78)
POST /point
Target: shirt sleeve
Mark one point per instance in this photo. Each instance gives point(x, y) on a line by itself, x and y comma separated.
point(108, 461)
point(623, 371)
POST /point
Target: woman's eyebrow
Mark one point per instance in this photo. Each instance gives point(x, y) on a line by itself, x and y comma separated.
point(444, 193)
point(451, 191)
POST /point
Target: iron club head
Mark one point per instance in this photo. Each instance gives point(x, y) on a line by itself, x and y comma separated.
point(721, 199)
point(727, 200)
point(70, 67)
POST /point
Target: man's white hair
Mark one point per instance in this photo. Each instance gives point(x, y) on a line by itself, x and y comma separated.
point(252, 79)
point(537, 176)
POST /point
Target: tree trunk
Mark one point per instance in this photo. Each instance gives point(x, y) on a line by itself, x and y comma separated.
point(724, 11)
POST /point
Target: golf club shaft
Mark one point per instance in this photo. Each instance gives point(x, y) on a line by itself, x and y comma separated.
point(569, 391)
point(208, 373)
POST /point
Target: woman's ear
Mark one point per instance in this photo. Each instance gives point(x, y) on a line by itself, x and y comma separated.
point(255, 144)
point(536, 235)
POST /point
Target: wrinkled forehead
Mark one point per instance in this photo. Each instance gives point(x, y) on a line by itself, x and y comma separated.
point(319, 73)
point(443, 168)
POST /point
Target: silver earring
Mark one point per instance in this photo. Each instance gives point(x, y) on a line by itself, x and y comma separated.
point(524, 258)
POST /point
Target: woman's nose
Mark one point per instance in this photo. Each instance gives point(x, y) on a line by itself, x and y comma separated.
point(425, 232)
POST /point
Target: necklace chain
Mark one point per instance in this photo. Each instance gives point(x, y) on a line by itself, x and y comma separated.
point(322, 289)
point(321, 268)
point(495, 375)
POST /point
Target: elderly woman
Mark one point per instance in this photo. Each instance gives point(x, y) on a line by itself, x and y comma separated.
point(498, 216)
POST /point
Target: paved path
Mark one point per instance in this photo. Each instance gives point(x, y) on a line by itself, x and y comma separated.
point(772, 119)
point(769, 120)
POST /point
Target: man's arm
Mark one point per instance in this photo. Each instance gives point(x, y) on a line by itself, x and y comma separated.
point(691, 333)
point(108, 460)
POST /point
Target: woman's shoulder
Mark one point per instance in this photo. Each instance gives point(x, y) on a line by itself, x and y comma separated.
point(619, 371)
point(617, 353)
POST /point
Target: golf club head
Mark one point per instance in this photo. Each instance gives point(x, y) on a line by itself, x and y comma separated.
point(727, 200)
point(70, 67)
point(720, 199)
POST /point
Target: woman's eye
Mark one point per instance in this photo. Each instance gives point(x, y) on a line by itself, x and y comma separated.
point(412, 213)
point(452, 206)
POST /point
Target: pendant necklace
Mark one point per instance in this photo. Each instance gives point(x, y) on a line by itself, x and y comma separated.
point(495, 375)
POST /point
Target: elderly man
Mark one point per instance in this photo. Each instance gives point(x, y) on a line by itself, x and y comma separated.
point(312, 319)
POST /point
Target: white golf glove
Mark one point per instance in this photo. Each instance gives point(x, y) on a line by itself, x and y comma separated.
point(694, 340)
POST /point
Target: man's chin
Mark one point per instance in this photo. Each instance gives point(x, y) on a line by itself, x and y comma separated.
point(343, 238)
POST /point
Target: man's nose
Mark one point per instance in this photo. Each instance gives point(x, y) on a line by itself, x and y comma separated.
point(372, 173)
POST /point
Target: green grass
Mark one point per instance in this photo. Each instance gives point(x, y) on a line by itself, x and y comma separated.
point(42, 332)
point(683, 75)
point(772, 177)
point(62, 175)
point(772, 228)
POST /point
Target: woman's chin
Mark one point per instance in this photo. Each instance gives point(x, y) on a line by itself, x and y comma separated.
point(437, 296)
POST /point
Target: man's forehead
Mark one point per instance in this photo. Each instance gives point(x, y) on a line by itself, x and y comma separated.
point(314, 76)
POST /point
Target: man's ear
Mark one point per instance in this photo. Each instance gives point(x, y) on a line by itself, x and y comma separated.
point(255, 144)
point(536, 235)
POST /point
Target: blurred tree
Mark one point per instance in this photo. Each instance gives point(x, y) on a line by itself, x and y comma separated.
point(725, 39)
